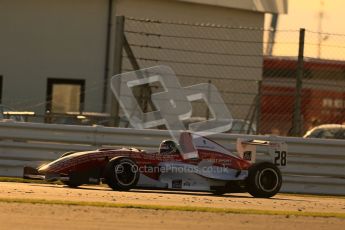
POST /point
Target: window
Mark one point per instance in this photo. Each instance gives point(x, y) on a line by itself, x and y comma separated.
point(327, 102)
point(65, 95)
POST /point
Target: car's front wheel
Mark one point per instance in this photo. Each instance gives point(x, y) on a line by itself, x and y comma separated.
point(264, 180)
point(121, 173)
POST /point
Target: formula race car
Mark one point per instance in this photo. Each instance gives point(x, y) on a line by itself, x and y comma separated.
point(195, 163)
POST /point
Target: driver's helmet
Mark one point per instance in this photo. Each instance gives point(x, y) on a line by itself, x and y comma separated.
point(168, 146)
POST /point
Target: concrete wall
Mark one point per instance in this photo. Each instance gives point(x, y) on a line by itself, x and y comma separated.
point(43, 39)
point(272, 6)
point(188, 12)
point(237, 93)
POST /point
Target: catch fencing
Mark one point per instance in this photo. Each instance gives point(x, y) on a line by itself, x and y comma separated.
point(278, 81)
point(314, 165)
point(273, 81)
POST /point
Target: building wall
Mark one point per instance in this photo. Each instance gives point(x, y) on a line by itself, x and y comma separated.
point(188, 12)
point(322, 95)
point(43, 39)
point(247, 54)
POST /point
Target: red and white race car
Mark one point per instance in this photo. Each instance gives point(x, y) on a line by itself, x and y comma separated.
point(196, 163)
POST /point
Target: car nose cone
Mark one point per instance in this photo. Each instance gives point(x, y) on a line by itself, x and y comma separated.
point(43, 168)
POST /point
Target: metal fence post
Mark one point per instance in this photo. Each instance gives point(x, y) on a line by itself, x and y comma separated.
point(118, 47)
point(107, 56)
point(297, 113)
point(208, 99)
point(258, 107)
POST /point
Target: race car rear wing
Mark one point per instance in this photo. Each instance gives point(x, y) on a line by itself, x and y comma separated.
point(247, 150)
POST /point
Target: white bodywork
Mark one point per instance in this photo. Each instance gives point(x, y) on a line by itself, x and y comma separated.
point(202, 177)
point(246, 149)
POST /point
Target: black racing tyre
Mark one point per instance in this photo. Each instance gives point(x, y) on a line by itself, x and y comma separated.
point(67, 153)
point(121, 174)
point(264, 180)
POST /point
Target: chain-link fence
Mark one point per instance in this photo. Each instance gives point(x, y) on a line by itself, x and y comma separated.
point(266, 85)
point(322, 81)
point(230, 58)
point(256, 75)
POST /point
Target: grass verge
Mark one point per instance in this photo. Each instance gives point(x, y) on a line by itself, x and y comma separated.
point(174, 208)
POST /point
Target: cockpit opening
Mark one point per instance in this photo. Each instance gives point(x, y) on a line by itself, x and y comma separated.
point(168, 147)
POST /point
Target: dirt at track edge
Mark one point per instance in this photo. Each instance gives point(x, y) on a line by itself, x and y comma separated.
point(173, 208)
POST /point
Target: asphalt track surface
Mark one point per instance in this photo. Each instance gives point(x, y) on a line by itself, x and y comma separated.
point(18, 209)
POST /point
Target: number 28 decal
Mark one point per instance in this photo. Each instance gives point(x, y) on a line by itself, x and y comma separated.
point(280, 158)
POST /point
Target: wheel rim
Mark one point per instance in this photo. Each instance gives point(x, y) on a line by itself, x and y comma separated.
point(268, 180)
point(125, 174)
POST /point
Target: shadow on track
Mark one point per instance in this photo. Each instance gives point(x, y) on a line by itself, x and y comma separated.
point(163, 192)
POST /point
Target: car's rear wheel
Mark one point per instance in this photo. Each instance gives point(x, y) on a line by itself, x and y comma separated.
point(264, 180)
point(121, 173)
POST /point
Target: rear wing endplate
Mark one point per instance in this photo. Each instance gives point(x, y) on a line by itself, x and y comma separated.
point(277, 150)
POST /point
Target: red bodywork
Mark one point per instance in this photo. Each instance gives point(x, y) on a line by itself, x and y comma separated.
point(194, 163)
point(83, 161)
